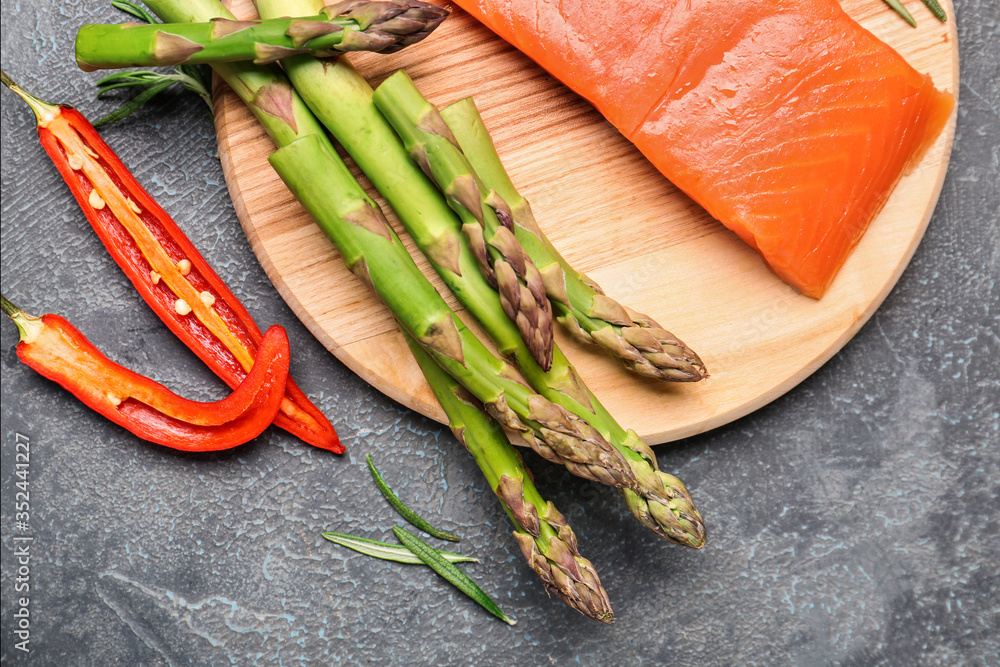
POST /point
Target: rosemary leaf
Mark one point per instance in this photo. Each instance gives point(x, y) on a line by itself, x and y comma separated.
point(460, 580)
point(129, 80)
point(936, 10)
point(140, 77)
point(135, 10)
point(134, 104)
point(405, 511)
point(393, 552)
point(197, 80)
point(898, 7)
point(122, 84)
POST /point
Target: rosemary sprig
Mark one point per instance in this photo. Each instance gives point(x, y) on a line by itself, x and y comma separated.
point(405, 511)
point(393, 552)
point(455, 576)
point(191, 77)
point(415, 551)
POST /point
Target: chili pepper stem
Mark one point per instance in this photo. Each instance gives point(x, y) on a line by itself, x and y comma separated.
point(28, 326)
point(44, 112)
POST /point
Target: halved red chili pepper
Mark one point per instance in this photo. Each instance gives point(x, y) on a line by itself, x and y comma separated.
point(56, 349)
point(166, 269)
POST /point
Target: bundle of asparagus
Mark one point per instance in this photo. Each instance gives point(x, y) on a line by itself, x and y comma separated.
point(374, 254)
point(344, 102)
point(563, 422)
point(660, 501)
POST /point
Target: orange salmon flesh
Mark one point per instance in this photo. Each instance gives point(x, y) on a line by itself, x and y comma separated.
point(786, 120)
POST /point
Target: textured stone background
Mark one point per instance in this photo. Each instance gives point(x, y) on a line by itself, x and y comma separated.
point(853, 521)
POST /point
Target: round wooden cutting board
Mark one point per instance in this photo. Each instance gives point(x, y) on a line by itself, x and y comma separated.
point(614, 217)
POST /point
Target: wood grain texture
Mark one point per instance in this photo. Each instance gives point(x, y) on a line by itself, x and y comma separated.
point(615, 218)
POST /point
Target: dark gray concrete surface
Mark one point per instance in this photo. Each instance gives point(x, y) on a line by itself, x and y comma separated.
point(852, 521)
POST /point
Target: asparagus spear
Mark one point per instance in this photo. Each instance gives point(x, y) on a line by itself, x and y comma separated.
point(357, 25)
point(488, 229)
point(546, 539)
point(343, 99)
point(641, 344)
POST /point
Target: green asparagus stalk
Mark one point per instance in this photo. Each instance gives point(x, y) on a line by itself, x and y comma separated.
point(488, 230)
point(342, 99)
point(357, 25)
point(546, 539)
point(641, 344)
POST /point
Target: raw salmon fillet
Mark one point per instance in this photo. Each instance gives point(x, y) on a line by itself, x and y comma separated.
point(785, 119)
